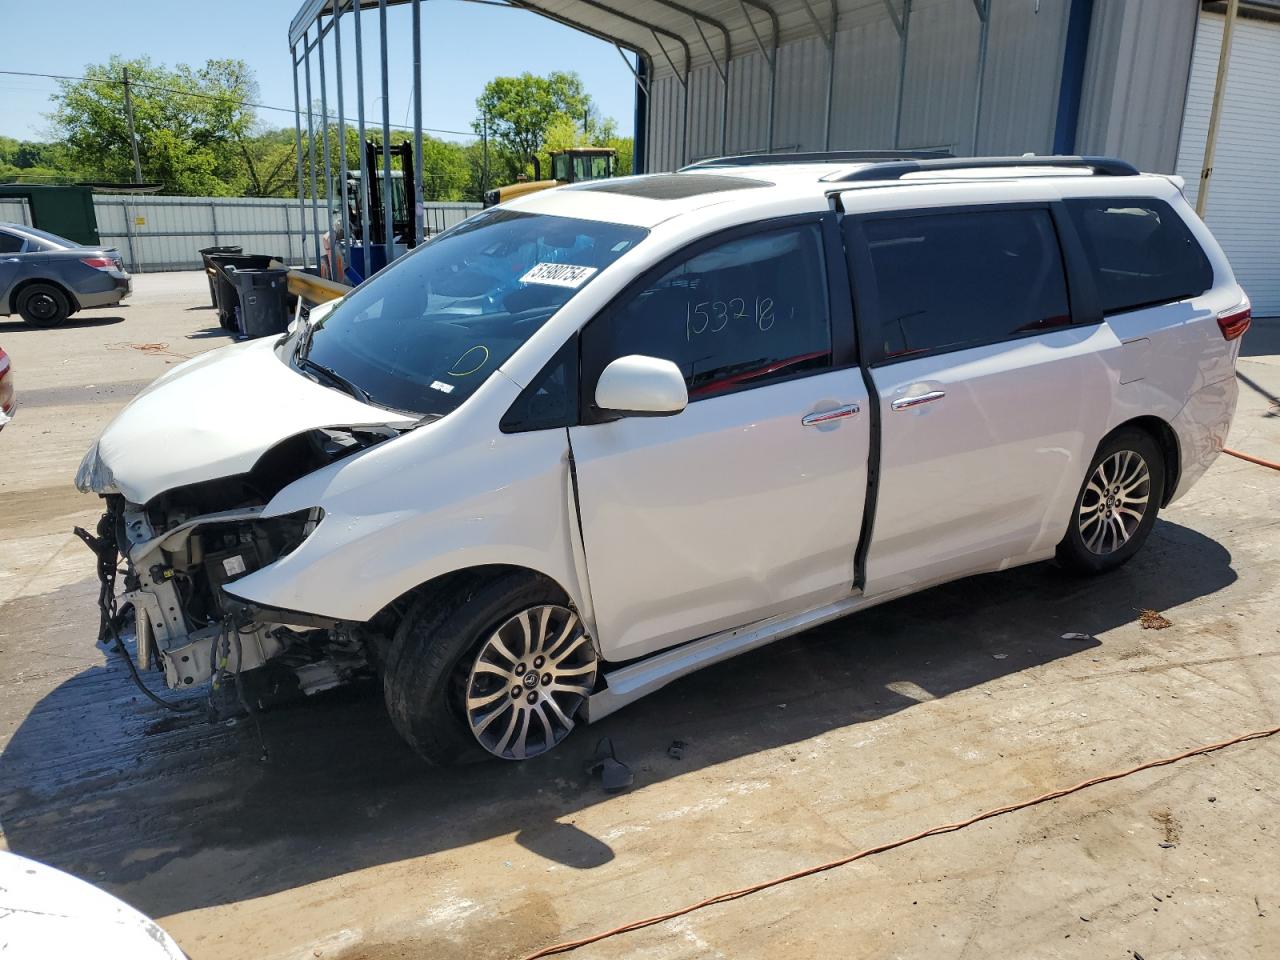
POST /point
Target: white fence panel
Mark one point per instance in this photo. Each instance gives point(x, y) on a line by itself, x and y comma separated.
point(15, 210)
point(167, 233)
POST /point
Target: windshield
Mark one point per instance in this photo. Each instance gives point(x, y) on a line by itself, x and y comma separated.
point(423, 334)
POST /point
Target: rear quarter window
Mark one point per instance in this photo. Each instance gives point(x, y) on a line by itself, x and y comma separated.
point(1141, 252)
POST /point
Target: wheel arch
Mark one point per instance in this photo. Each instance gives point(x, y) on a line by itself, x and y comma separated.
point(1167, 439)
point(32, 281)
point(459, 579)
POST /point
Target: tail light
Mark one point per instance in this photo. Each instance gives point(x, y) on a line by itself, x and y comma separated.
point(1233, 323)
point(6, 383)
point(99, 263)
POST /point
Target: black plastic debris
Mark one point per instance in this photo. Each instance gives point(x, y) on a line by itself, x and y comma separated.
point(615, 776)
point(676, 750)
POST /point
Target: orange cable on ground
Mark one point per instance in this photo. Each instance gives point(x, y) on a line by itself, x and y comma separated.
point(1252, 459)
point(569, 945)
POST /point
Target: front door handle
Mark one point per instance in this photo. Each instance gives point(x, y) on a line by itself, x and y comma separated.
point(826, 416)
point(906, 403)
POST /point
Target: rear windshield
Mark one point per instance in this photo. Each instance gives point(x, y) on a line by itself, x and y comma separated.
point(42, 240)
point(423, 334)
point(1142, 253)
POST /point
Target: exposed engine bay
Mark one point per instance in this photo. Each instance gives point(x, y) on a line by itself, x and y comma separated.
point(182, 547)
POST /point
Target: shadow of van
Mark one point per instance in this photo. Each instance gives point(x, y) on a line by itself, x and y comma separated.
point(98, 782)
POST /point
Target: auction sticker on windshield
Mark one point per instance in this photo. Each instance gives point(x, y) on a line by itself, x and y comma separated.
point(558, 274)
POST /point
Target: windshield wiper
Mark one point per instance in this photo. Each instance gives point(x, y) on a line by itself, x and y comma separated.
point(334, 378)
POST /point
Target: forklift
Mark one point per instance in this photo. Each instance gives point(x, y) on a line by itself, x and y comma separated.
point(575, 165)
point(346, 260)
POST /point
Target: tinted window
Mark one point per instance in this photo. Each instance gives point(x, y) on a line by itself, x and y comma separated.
point(43, 240)
point(9, 243)
point(947, 280)
point(424, 333)
point(741, 313)
point(1142, 253)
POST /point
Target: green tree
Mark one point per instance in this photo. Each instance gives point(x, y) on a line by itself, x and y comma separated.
point(189, 122)
point(518, 111)
point(33, 162)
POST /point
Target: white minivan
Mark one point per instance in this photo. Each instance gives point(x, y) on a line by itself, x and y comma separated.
point(602, 436)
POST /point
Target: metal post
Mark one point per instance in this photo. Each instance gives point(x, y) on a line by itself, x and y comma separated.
point(366, 238)
point(134, 265)
point(903, 26)
point(417, 122)
point(311, 149)
point(831, 75)
point(1215, 112)
point(297, 143)
point(484, 150)
point(984, 14)
point(829, 41)
point(133, 136)
point(213, 218)
point(388, 204)
point(771, 58)
point(341, 198)
point(324, 140)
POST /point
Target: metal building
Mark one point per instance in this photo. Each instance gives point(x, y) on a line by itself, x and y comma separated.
point(1116, 77)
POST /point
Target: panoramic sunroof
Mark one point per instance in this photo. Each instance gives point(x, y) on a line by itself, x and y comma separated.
point(673, 186)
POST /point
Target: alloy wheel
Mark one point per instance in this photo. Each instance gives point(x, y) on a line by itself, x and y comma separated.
point(1114, 502)
point(528, 680)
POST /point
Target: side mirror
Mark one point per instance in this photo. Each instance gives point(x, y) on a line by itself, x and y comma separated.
point(638, 386)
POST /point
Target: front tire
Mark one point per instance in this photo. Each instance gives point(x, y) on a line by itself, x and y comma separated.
point(1117, 505)
point(495, 666)
point(43, 305)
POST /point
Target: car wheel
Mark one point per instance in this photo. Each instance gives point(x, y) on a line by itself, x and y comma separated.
point(43, 305)
point(1117, 504)
point(495, 666)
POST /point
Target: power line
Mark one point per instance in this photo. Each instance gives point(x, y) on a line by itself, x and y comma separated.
point(210, 96)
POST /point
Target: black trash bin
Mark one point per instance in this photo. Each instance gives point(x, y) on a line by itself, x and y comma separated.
point(225, 290)
point(211, 272)
point(263, 309)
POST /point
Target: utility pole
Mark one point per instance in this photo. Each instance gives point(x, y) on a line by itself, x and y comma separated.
point(484, 143)
point(133, 136)
point(1215, 113)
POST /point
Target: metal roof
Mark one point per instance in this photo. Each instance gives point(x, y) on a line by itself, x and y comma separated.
point(675, 34)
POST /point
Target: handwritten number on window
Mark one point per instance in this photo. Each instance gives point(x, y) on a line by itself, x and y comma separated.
point(713, 316)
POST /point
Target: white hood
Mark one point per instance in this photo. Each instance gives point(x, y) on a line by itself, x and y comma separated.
point(214, 416)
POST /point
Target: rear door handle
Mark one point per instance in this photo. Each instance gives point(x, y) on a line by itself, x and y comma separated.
point(826, 416)
point(906, 403)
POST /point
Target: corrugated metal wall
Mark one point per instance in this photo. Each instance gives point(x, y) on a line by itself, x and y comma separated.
point(166, 233)
point(1136, 80)
point(1139, 55)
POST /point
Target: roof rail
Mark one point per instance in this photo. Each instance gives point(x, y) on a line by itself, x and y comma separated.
point(828, 156)
point(1100, 166)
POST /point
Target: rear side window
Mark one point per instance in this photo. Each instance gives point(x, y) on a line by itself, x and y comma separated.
point(1141, 252)
point(743, 313)
point(9, 243)
point(950, 280)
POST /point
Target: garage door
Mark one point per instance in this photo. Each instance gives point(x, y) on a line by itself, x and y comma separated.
point(1244, 195)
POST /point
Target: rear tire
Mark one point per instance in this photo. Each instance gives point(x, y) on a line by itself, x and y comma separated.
point(443, 681)
point(1116, 507)
point(43, 305)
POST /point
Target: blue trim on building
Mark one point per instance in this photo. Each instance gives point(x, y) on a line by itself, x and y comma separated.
point(1073, 60)
point(640, 142)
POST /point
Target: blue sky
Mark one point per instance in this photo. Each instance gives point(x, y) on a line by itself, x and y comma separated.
point(464, 45)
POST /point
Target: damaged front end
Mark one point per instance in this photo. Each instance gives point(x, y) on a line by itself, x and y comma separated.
point(181, 548)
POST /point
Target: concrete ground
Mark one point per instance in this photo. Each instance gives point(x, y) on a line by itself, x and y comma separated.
point(928, 710)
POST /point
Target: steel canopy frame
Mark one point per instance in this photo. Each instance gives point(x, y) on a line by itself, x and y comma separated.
point(317, 19)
